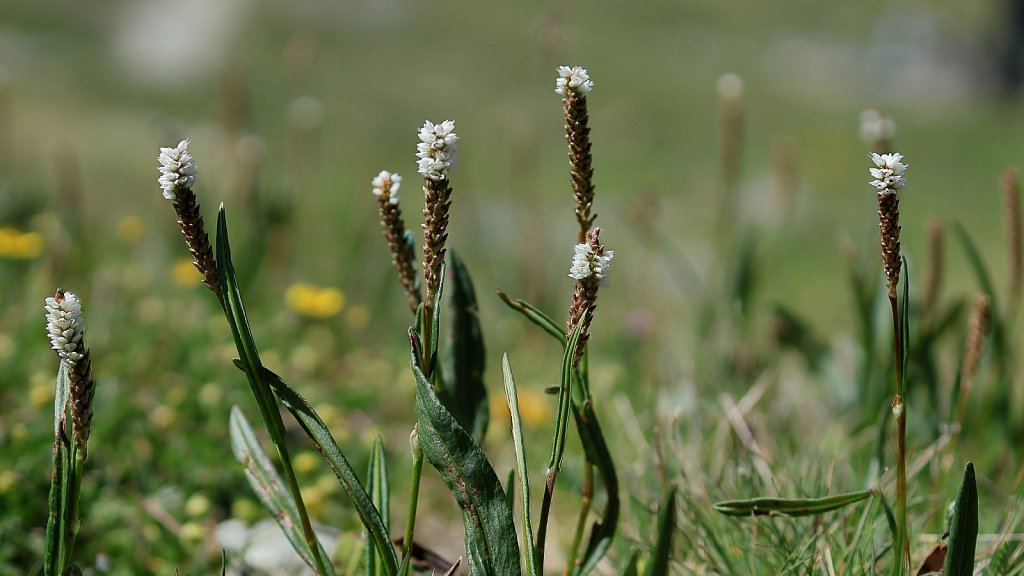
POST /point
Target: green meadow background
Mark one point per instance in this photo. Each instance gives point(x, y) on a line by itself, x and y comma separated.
point(293, 107)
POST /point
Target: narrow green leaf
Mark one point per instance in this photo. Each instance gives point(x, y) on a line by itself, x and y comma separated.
point(465, 394)
point(666, 528)
point(963, 529)
point(512, 397)
point(328, 447)
point(58, 500)
point(905, 326)
point(535, 315)
point(596, 449)
point(377, 478)
point(564, 399)
point(790, 506)
point(267, 484)
point(490, 530)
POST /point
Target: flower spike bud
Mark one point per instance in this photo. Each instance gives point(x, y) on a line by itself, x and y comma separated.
point(591, 264)
point(436, 149)
point(573, 80)
point(889, 178)
point(177, 170)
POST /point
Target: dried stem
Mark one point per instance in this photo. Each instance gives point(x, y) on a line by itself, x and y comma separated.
point(981, 316)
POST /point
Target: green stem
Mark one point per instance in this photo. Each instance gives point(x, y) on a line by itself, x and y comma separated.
point(902, 549)
point(414, 492)
point(575, 563)
point(307, 527)
point(73, 508)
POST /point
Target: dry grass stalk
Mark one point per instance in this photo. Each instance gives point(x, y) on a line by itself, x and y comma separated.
point(977, 329)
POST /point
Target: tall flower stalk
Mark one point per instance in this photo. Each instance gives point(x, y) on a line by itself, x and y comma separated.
point(574, 85)
point(403, 255)
point(436, 152)
point(888, 179)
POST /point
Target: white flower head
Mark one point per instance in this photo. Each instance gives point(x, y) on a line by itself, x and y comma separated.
point(436, 149)
point(574, 80)
point(177, 170)
point(729, 86)
point(387, 181)
point(64, 326)
point(888, 173)
point(876, 127)
point(586, 263)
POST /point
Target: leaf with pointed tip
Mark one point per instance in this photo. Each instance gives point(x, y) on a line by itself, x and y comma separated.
point(535, 315)
point(465, 395)
point(596, 449)
point(490, 530)
point(790, 506)
point(632, 564)
point(666, 528)
point(963, 528)
point(58, 501)
point(512, 398)
point(267, 484)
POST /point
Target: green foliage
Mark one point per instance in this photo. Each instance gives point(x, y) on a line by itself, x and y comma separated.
point(662, 553)
point(490, 531)
point(790, 506)
point(963, 528)
point(377, 478)
point(464, 393)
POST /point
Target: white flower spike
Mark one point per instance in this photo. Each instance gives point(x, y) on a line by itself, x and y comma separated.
point(876, 127)
point(574, 80)
point(64, 326)
point(888, 173)
point(387, 181)
point(436, 150)
point(586, 263)
point(177, 170)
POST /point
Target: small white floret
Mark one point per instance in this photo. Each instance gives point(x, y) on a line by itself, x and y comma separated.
point(574, 79)
point(64, 326)
point(586, 263)
point(387, 181)
point(177, 170)
point(436, 149)
point(888, 173)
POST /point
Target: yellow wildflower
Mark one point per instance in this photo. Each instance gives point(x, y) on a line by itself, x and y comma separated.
point(130, 229)
point(18, 245)
point(185, 273)
point(534, 407)
point(314, 301)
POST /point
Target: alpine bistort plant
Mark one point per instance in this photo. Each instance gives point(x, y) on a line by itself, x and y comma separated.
point(74, 397)
point(403, 252)
point(574, 84)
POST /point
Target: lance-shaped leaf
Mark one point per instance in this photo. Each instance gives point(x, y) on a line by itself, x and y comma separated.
point(465, 395)
point(790, 506)
point(328, 447)
point(268, 486)
point(59, 500)
point(490, 530)
point(963, 528)
point(377, 478)
point(512, 397)
point(666, 528)
point(596, 450)
point(535, 315)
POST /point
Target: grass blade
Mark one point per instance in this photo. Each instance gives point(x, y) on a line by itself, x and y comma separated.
point(465, 394)
point(790, 506)
point(377, 478)
point(490, 530)
point(632, 568)
point(666, 528)
point(517, 438)
point(963, 529)
point(60, 489)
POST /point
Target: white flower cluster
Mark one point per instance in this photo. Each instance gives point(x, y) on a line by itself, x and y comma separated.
point(587, 263)
point(177, 170)
point(64, 326)
point(436, 150)
point(387, 181)
point(888, 173)
point(876, 127)
point(573, 79)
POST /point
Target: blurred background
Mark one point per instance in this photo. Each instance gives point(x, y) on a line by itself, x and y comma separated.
point(293, 107)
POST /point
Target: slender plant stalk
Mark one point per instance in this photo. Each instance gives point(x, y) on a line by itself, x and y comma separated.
point(414, 492)
point(900, 410)
point(575, 562)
